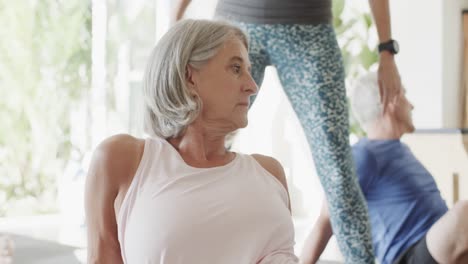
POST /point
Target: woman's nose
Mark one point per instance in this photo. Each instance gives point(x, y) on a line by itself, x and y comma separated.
point(251, 85)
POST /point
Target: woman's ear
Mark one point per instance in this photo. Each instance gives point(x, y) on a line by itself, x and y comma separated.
point(189, 77)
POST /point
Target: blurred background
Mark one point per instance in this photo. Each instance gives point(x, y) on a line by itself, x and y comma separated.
point(70, 76)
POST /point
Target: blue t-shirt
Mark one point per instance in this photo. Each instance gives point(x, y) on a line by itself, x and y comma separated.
point(402, 196)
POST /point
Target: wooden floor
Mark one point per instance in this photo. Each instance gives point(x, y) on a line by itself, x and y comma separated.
point(29, 250)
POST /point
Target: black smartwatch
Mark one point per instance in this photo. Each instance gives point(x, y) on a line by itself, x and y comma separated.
point(390, 46)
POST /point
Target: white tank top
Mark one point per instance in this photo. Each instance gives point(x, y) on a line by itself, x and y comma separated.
point(175, 213)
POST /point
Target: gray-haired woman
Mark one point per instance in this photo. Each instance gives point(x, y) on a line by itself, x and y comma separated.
point(179, 196)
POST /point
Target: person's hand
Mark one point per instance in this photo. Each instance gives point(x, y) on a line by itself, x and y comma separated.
point(179, 10)
point(389, 79)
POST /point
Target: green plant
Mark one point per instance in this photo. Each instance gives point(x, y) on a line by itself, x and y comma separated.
point(45, 63)
point(354, 29)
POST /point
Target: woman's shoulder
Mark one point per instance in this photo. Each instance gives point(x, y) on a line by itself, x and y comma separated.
point(273, 166)
point(121, 142)
point(117, 148)
point(117, 158)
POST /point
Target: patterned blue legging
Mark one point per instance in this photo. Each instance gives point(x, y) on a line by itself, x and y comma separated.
point(310, 67)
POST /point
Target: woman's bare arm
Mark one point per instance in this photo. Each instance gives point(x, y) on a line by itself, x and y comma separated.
point(112, 168)
point(180, 7)
point(318, 238)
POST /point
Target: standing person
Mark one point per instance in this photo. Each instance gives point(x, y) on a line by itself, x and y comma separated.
point(297, 37)
point(180, 196)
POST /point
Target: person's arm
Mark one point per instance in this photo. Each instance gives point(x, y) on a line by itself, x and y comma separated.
point(274, 168)
point(318, 238)
point(179, 10)
point(389, 78)
point(113, 165)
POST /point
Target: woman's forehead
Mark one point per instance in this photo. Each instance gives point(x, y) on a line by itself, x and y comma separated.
point(235, 47)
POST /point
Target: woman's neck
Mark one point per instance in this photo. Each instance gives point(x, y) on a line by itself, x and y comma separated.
point(201, 144)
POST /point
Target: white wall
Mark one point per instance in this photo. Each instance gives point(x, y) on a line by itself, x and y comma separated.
point(453, 61)
point(430, 35)
point(417, 25)
point(443, 155)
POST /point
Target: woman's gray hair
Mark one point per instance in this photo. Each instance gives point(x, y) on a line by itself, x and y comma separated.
point(365, 99)
point(169, 106)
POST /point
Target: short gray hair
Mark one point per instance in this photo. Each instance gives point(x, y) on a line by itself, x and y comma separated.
point(365, 99)
point(169, 106)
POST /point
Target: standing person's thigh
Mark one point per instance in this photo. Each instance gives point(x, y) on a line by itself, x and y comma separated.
point(447, 239)
point(259, 59)
point(258, 55)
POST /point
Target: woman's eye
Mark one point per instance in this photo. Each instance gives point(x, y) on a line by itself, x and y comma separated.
point(236, 68)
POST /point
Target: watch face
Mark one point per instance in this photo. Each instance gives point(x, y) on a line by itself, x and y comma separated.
point(396, 47)
point(390, 46)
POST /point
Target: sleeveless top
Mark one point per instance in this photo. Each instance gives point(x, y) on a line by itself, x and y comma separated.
point(175, 213)
point(276, 11)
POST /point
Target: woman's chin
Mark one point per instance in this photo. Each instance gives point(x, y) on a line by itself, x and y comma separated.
point(244, 123)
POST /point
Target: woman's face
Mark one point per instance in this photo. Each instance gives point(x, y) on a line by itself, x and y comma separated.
point(224, 85)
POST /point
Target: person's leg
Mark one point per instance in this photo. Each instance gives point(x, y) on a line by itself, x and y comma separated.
point(447, 239)
point(311, 71)
point(258, 55)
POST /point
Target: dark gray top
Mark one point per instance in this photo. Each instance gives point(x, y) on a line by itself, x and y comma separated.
point(275, 11)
